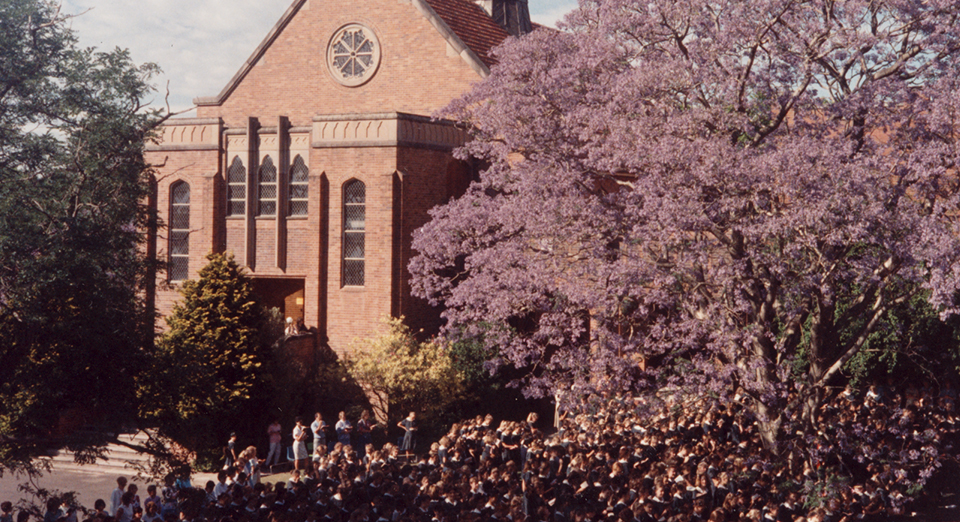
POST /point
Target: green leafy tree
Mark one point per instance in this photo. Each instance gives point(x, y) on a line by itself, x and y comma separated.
point(210, 376)
point(73, 181)
point(401, 374)
point(909, 343)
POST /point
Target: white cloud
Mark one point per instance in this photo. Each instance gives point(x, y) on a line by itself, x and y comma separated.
point(548, 12)
point(200, 44)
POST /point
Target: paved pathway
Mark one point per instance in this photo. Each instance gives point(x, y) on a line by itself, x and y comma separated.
point(89, 484)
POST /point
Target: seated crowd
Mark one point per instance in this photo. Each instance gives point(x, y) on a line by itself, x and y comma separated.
point(610, 460)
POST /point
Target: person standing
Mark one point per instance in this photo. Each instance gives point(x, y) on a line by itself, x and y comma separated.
point(99, 510)
point(125, 511)
point(409, 425)
point(273, 432)
point(117, 495)
point(290, 329)
point(319, 429)
point(133, 490)
point(299, 444)
point(344, 428)
point(251, 464)
point(230, 452)
point(152, 514)
point(54, 512)
point(152, 496)
point(364, 433)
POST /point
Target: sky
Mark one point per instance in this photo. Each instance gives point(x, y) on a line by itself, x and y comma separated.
point(201, 44)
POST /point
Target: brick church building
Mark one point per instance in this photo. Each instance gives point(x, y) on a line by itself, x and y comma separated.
point(319, 158)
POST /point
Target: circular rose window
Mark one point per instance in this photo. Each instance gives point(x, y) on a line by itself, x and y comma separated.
point(353, 55)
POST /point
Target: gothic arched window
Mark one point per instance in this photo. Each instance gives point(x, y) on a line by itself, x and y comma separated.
point(268, 188)
point(354, 232)
point(179, 241)
point(236, 188)
point(299, 189)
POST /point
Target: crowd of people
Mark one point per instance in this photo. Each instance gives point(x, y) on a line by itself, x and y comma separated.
point(607, 460)
point(359, 437)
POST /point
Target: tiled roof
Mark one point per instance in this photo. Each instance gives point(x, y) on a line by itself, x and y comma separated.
point(472, 25)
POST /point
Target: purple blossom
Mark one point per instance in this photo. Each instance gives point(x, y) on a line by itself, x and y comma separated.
point(679, 196)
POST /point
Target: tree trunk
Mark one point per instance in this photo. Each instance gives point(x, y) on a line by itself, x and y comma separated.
point(811, 408)
point(769, 427)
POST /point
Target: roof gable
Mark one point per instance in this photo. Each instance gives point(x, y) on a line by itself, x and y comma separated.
point(470, 23)
point(463, 24)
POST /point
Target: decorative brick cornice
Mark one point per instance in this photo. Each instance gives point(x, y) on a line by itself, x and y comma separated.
point(188, 134)
point(392, 129)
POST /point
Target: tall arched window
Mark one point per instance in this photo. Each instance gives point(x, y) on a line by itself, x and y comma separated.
point(354, 232)
point(179, 242)
point(236, 188)
point(268, 188)
point(299, 190)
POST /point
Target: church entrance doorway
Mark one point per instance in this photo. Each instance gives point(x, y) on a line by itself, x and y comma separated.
point(281, 293)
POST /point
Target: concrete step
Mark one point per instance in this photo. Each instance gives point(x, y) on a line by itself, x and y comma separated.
point(118, 460)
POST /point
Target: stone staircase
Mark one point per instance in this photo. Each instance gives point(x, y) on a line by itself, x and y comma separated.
point(119, 460)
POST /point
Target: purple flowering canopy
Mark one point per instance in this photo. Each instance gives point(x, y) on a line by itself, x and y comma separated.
point(713, 196)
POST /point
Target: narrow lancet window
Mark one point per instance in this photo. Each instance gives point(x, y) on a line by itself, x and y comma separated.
point(354, 232)
point(299, 189)
point(236, 188)
point(267, 188)
point(179, 242)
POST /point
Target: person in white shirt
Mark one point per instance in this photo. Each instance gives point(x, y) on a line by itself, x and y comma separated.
point(221, 486)
point(125, 511)
point(117, 495)
point(299, 444)
point(344, 429)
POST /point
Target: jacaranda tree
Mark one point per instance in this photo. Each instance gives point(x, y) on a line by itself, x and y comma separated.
point(711, 196)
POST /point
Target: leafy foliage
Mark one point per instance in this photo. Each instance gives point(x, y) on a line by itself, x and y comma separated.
point(910, 343)
point(209, 376)
point(73, 184)
point(402, 375)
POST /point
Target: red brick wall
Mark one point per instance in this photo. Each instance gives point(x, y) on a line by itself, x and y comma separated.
point(266, 263)
point(198, 168)
point(416, 74)
point(402, 184)
point(429, 179)
point(356, 311)
point(235, 228)
point(301, 256)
